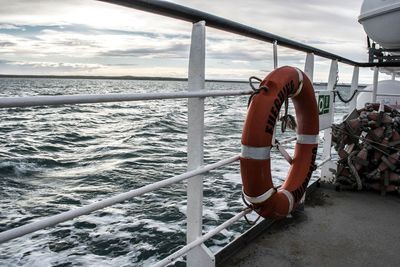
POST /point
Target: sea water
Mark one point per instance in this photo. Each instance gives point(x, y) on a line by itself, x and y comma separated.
point(54, 159)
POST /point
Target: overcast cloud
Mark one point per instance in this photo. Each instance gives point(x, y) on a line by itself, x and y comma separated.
point(95, 38)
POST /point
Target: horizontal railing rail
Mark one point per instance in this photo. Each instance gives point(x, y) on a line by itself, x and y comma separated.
point(192, 15)
point(28, 101)
point(31, 101)
point(384, 94)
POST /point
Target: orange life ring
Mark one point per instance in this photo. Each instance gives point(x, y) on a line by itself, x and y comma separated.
point(255, 165)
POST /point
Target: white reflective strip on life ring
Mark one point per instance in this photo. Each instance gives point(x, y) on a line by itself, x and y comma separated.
point(251, 152)
point(300, 83)
point(289, 197)
point(260, 198)
point(307, 139)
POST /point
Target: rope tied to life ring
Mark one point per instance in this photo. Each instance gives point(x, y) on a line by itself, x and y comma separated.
point(287, 120)
point(250, 206)
point(255, 89)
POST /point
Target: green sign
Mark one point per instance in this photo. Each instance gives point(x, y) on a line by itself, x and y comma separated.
point(323, 104)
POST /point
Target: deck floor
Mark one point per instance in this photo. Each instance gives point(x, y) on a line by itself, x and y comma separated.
point(335, 229)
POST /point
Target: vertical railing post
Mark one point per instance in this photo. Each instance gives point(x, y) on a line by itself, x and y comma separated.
point(201, 255)
point(354, 86)
point(375, 84)
point(332, 75)
point(275, 57)
point(326, 174)
point(309, 66)
point(309, 71)
point(275, 54)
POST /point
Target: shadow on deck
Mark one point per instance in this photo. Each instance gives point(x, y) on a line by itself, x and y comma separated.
point(335, 229)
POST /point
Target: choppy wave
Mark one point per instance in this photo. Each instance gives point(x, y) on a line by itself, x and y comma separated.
point(56, 159)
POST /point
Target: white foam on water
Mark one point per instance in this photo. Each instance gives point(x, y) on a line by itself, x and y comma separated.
point(161, 226)
point(233, 177)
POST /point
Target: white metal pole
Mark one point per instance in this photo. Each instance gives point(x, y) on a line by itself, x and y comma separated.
point(275, 54)
point(29, 101)
point(354, 86)
point(199, 256)
point(309, 66)
point(375, 84)
point(326, 174)
point(309, 71)
point(332, 75)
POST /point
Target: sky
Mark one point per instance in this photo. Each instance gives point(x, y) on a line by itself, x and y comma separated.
point(87, 37)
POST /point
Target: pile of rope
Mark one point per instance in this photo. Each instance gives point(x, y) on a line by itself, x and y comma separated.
point(368, 144)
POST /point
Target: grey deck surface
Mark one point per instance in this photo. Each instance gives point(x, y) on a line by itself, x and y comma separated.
point(335, 229)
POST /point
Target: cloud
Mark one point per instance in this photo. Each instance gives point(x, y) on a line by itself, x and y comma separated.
point(5, 44)
point(94, 14)
point(321, 23)
point(86, 43)
point(9, 27)
point(240, 49)
point(178, 50)
point(122, 64)
point(56, 65)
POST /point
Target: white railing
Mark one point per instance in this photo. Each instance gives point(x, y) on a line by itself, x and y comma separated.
point(12, 102)
point(197, 253)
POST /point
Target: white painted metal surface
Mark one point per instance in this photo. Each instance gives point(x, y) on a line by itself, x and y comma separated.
point(275, 54)
point(375, 84)
point(200, 255)
point(309, 71)
point(387, 91)
point(69, 215)
point(332, 78)
point(29, 101)
point(354, 86)
point(381, 20)
point(326, 174)
point(392, 95)
point(322, 162)
point(309, 66)
point(275, 57)
point(274, 141)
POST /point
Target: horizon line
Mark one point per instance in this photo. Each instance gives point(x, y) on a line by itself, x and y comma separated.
point(126, 77)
